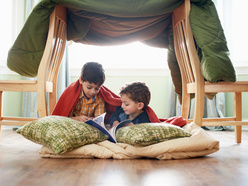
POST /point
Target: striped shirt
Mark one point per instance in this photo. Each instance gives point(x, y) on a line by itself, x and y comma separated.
point(92, 107)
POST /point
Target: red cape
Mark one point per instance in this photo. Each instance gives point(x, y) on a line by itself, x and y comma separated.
point(70, 96)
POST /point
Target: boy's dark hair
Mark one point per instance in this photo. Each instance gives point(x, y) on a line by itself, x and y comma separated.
point(93, 72)
point(138, 92)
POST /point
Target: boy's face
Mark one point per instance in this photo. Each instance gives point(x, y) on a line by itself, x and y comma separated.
point(90, 89)
point(129, 106)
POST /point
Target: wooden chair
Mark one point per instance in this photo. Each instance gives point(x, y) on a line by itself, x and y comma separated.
point(193, 80)
point(47, 73)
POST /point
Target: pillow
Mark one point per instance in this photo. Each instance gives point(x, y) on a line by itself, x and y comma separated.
point(60, 133)
point(149, 133)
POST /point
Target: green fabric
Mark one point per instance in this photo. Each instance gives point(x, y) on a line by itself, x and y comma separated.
point(61, 134)
point(149, 133)
point(113, 22)
point(210, 38)
point(25, 54)
point(211, 44)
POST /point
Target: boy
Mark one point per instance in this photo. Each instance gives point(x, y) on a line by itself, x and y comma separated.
point(135, 98)
point(89, 103)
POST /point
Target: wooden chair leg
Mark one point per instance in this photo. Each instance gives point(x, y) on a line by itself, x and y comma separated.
point(238, 115)
point(238, 133)
point(199, 107)
point(42, 103)
point(185, 105)
point(52, 101)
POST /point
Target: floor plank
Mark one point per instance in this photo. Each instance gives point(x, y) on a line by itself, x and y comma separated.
point(20, 164)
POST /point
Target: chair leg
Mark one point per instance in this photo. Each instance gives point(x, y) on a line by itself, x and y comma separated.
point(199, 107)
point(238, 133)
point(238, 115)
point(185, 106)
point(42, 103)
point(52, 101)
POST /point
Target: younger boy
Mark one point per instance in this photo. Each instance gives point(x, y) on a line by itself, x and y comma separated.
point(90, 104)
point(135, 98)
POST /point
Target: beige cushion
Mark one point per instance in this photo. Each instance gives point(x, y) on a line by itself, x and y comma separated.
point(149, 133)
point(61, 134)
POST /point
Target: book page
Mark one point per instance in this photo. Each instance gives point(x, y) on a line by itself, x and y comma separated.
point(101, 127)
point(98, 122)
point(113, 130)
point(100, 119)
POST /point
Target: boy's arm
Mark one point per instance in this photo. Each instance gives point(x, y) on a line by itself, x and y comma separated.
point(114, 118)
point(81, 118)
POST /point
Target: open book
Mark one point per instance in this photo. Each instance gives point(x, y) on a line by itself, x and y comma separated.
point(98, 122)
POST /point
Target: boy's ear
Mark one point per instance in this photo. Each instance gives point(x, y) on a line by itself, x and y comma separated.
point(140, 105)
point(80, 81)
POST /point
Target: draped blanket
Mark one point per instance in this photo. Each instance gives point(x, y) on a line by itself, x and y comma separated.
point(114, 22)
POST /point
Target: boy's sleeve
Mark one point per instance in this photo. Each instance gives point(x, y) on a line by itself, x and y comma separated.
point(144, 118)
point(115, 116)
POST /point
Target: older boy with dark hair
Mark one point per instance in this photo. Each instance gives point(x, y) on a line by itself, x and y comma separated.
point(89, 104)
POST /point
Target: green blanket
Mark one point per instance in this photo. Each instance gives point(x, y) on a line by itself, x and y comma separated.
point(114, 22)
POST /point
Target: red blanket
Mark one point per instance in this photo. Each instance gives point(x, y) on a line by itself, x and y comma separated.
point(70, 96)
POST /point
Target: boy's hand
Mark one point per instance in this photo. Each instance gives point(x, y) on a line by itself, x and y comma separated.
point(129, 124)
point(82, 118)
point(115, 123)
point(108, 126)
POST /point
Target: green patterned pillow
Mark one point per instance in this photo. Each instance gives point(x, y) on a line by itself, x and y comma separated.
point(61, 134)
point(149, 133)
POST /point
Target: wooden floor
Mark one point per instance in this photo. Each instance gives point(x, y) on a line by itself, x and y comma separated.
point(20, 164)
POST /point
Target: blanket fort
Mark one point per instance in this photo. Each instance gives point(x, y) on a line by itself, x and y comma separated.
point(104, 22)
